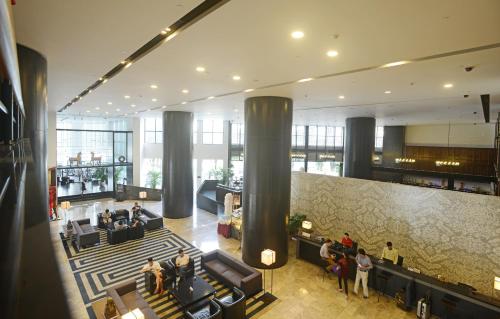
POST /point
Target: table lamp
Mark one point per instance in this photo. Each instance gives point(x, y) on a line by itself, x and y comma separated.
point(307, 228)
point(143, 195)
point(496, 285)
point(65, 205)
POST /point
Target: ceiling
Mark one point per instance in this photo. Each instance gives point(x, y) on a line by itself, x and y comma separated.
point(82, 40)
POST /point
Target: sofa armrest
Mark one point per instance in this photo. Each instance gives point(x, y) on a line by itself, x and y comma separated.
point(126, 287)
point(120, 306)
point(83, 221)
point(207, 257)
point(252, 284)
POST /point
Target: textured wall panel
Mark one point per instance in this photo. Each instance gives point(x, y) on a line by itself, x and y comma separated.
point(438, 231)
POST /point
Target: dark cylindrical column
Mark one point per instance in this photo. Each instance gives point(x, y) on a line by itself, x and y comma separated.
point(33, 74)
point(177, 164)
point(359, 147)
point(394, 144)
point(267, 171)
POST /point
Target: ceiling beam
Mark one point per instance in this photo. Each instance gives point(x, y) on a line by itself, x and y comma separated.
point(485, 101)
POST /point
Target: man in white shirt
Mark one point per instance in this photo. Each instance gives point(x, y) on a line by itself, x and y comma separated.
point(182, 260)
point(390, 253)
point(155, 268)
point(325, 254)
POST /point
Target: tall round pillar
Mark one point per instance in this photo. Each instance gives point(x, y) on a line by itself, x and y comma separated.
point(33, 75)
point(359, 147)
point(177, 164)
point(267, 174)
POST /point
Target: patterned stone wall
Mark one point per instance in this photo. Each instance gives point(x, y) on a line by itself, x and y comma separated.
point(442, 232)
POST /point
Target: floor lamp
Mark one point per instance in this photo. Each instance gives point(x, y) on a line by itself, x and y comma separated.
point(268, 257)
point(143, 196)
point(496, 285)
point(65, 205)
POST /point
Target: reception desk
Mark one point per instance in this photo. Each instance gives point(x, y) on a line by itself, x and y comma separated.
point(446, 298)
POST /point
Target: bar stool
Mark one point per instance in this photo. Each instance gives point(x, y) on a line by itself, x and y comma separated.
point(323, 266)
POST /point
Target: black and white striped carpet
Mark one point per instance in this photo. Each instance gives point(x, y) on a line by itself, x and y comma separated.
point(100, 267)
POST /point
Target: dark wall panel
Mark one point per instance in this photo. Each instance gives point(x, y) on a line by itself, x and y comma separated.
point(359, 147)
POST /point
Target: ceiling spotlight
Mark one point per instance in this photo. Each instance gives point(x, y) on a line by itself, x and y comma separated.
point(305, 80)
point(97, 108)
point(332, 53)
point(184, 103)
point(128, 65)
point(110, 103)
point(448, 85)
point(297, 34)
point(185, 91)
point(165, 31)
point(117, 110)
point(200, 69)
point(210, 97)
point(123, 62)
point(90, 90)
point(397, 63)
point(248, 90)
point(127, 96)
point(153, 86)
point(387, 92)
point(236, 77)
point(104, 81)
point(154, 100)
point(341, 97)
point(132, 105)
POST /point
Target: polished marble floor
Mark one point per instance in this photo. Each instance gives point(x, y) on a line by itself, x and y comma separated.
point(298, 285)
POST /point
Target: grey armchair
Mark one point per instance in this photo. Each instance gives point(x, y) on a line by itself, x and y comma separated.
point(205, 311)
point(86, 235)
point(234, 305)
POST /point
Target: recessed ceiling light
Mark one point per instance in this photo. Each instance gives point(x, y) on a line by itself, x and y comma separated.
point(132, 105)
point(165, 31)
point(210, 97)
point(341, 97)
point(153, 86)
point(110, 103)
point(209, 113)
point(88, 111)
point(248, 90)
point(387, 92)
point(305, 80)
point(107, 112)
point(154, 100)
point(332, 53)
point(448, 85)
point(127, 96)
point(136, 112)
point(397, 63)
point(126, 114)
point(117, 110)
point(123, 62)
point(97, 108)
point(185, 91)
point(184, 103)
point(164, 107)
point(148, 110)
point(200, 69)
point(128, 65)
point(236, 110)
point(236, 77)
point(90, 90)
point(297, 34)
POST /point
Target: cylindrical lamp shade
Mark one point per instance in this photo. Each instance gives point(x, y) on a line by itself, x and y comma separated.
point(66, 205)
point(497, 283)
point(143, 195)
point(268, 257)
point(267, 171)
point(307, 224)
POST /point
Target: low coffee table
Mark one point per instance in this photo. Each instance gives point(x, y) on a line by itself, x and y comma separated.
point(201, 290)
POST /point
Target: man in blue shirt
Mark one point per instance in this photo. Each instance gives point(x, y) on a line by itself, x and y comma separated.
point(364, 265)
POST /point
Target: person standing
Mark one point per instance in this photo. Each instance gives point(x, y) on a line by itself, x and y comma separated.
point(390, 253)
point(343, 273)
point(364, 266)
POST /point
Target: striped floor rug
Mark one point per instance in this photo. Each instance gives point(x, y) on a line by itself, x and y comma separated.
point(100, 267)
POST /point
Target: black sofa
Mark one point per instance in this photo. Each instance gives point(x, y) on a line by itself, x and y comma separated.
point(126, 297)
point(232, 272)
point(117, 236)
point(234, 305)
point(135, 232)
point(85, 233)
point(150, 220)
point(211, 310)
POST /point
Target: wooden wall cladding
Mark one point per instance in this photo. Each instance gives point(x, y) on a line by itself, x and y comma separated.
point(474, 161)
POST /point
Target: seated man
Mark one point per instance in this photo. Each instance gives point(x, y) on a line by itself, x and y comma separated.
point(155, 268)
point(390, 253)
point(136, 210)
point(120, 225)
point(106, 217)
point(346, 241)
point(181, 262)
point(326, 256)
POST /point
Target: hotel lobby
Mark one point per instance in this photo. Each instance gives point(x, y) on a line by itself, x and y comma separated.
point(250, 159)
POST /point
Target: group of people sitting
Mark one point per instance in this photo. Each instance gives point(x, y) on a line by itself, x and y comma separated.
point(107, 219)
point(340, 266)
point(181, 263)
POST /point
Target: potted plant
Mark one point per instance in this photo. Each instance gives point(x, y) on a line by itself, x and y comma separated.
point(295, 222)
point(223, 175)
point(154, 178)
